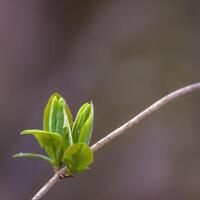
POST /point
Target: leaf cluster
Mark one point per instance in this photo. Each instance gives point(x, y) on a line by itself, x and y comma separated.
point(64, 139)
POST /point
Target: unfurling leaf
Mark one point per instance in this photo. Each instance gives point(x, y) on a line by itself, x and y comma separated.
point(86, 130)
point(54, 113)
point(83, 125)
point(33, 155)
point(50, 142)
point(78, 157)
point(67, 136)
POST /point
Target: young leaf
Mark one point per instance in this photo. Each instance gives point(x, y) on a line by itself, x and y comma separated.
point(67, 137)
point(69, 114)
point(63, 125)
point(78, 122)
point(60, 117)
point(51, 142)
point(33, 155)
point(83, 124)
point(77, 157)
point(49, 120)
point(86, 130)
point(53, 114)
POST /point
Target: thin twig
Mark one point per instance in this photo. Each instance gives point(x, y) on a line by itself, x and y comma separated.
point(107, 139)
point(56, 178)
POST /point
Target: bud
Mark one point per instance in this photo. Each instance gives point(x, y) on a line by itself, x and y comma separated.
point(83, 125)
point(55, 115)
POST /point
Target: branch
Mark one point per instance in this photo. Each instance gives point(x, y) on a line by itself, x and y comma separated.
point(49, 185)
point(107, 139)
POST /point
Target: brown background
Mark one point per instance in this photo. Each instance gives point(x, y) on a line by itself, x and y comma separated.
point(122, 54)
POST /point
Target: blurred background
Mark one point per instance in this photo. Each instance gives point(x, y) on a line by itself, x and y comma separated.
point(123, 55)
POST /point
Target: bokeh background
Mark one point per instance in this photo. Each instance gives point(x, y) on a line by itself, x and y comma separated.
point(122, 54)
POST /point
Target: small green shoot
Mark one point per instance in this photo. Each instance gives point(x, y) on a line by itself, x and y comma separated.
point(65, 141)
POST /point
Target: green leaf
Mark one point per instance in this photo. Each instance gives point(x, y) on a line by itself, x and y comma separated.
point(54, 115)
point(78, 157)
point(86, 130)
point(83, 125)
point(77, 123)
point(69, 114)
point(33, 155)
point(51, 142)
point(67, 137)
point(60, 117)
point(63, 124)
point(49, 120)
